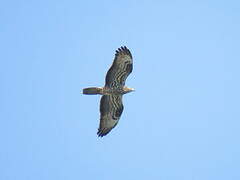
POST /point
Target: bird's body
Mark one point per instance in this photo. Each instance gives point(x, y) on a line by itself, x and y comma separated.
point(111, 106)
point(107, 90)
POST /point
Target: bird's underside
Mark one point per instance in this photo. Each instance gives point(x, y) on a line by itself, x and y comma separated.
point(111, 106)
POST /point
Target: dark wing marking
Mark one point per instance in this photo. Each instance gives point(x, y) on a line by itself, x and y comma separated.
point(122, 66)
point(111, 108)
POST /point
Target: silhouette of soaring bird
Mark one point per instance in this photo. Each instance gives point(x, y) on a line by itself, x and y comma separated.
point(111, 106)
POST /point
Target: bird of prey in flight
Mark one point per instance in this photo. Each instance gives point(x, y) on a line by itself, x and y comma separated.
point(111, 106)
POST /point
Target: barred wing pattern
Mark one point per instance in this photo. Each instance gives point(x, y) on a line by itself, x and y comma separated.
point(122, 66)
point(111, 108)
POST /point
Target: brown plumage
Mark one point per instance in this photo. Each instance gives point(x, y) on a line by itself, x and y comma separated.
point(111, 106)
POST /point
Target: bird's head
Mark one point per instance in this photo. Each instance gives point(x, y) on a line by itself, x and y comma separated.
point(127, 89)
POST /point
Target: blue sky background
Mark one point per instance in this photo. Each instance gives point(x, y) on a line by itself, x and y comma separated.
point(181, 123)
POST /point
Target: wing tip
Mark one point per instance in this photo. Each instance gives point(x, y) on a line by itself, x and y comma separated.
point(103, 132)
point(123, 50)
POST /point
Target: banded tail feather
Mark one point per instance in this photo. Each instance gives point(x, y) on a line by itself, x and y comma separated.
point(92, 90)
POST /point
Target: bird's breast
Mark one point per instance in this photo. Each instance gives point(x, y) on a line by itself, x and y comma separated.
point(110, 91)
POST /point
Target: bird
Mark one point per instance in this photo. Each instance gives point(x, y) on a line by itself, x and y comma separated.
point(111, 105)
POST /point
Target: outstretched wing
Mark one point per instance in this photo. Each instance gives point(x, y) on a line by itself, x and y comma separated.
point(122, 66)
point(111, 108)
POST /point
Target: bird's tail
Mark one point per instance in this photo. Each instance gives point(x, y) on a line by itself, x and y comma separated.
point(92, 90)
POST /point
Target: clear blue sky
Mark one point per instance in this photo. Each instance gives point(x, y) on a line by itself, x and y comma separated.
point(181, 123)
